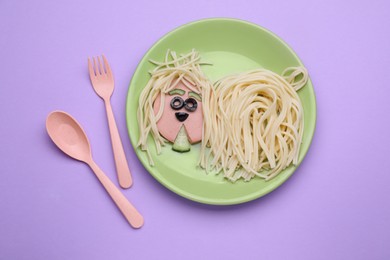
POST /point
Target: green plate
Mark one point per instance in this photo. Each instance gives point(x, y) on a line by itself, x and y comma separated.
point(232, 46)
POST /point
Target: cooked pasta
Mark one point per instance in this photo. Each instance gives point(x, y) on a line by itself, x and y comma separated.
point(254, 125)
point(252, 122)
point(164, 77)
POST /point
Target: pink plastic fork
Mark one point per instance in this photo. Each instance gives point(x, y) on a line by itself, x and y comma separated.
point(103, 84)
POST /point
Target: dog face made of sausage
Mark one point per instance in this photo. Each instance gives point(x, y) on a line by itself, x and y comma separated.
point(182, 113)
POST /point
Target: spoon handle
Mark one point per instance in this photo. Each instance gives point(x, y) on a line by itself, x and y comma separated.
point(128, 210)
point(122, 168)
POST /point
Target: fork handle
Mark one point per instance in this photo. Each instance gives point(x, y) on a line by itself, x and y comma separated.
point(122, 168)
point(128, 210)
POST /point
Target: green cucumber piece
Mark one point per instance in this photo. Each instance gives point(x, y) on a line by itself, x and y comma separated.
point(176, 91)
point(195, 95)
point(181, 143)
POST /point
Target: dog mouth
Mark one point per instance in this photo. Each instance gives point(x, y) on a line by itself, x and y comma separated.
point(181, 116)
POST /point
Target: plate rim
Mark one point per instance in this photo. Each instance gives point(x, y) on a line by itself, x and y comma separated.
point(177, 190)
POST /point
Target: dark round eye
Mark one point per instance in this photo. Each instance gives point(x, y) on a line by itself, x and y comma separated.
point(177, 103)
point(191, 104)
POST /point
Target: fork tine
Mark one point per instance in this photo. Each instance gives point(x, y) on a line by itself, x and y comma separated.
point(102, 72)
point(96, 68)
point(108, 68)
point(91, 71)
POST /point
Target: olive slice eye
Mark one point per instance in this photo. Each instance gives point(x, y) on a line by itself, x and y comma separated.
point(190, 104)
point(177, 103)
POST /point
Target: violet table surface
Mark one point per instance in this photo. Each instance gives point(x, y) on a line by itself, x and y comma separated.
point(335, 206)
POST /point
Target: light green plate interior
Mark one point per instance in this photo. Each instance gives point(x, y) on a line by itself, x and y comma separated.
point(232, 46)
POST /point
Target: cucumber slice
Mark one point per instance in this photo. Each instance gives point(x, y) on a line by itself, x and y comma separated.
point(177, 91)
point(181, 143)
point(195, 95)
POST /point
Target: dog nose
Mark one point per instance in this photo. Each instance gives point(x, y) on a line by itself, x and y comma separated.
point(181, 116)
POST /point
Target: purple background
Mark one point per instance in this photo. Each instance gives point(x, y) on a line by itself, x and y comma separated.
point(336, 205)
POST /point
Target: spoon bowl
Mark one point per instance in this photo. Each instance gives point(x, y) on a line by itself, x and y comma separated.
point(68, 135)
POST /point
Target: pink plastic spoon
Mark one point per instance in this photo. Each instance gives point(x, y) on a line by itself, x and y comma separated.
point(69, 136)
